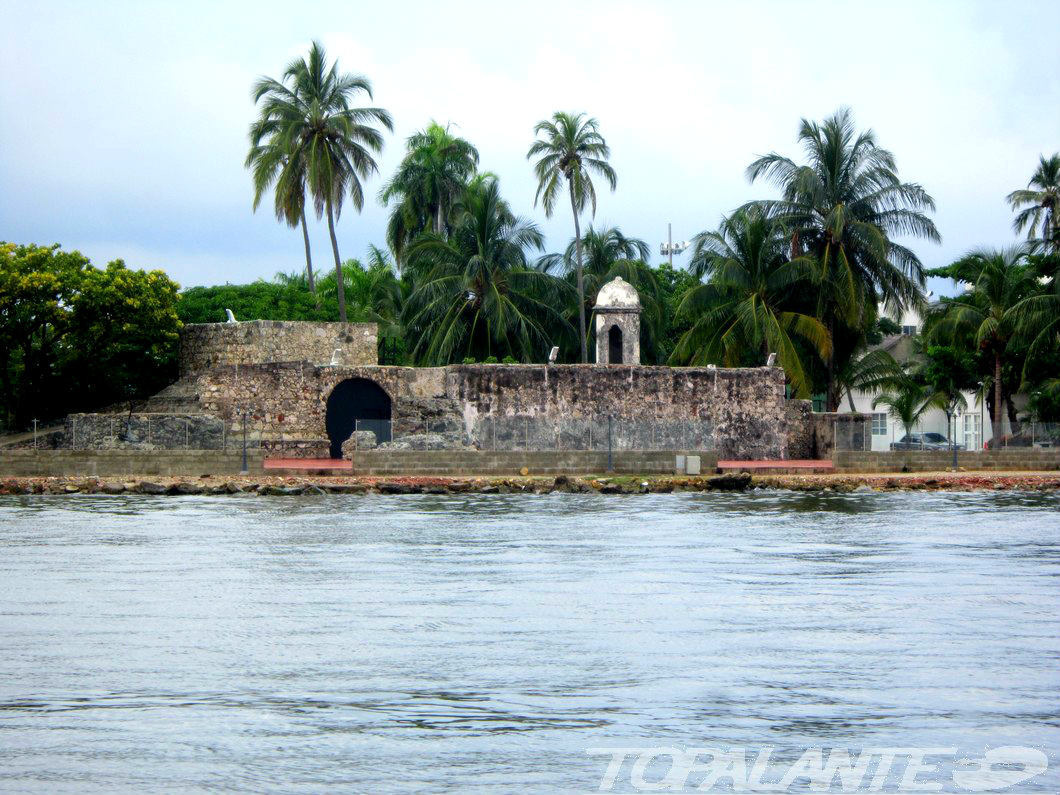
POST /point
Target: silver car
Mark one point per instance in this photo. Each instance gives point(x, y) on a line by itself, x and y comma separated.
point(923, 441)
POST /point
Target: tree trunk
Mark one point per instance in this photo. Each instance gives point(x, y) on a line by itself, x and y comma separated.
point(995, 415)
point(340, 287)
point(1013, 420)
point(309, 261)
point(581, 281)
point(438, 225)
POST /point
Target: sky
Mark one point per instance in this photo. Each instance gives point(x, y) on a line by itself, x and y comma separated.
point(123, 126)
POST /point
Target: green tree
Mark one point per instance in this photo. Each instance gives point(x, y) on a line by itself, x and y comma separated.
point(844, 207)
point(309, 117)
point(36, 287)
point(873, 370)
point(428, 183)
point(123, 333)
point(571, 150)
point(907, 401)
point(475, 294)
point(744, 310)
point(988, 313)
point(273, 161)
point(1038, 202)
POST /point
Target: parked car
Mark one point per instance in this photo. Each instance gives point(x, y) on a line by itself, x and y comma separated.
point(923, 441)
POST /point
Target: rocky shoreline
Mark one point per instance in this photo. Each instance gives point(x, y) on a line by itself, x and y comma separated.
point(302, 486)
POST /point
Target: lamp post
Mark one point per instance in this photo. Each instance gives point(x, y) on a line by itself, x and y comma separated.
point(245, 470)
point(982, 419)
point(610, 462)
point(953, 441)
point(669, 248)
point(34, 434)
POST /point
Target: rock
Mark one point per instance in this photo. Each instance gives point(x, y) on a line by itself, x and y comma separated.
point(70, 488)
point(427, 441)
point(112, 488)
point(233, 488)
point(610, 488)
point(147, 487)
point(435, 490)
point(359, 440)
point(489, 490)
point(387, 487)
point(188, 488)
point(863, 489)
point(346, 488)
point(459, 486)
point(731, 482)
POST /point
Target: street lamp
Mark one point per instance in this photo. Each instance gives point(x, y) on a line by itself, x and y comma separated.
point(669, 248)
point(245, 470)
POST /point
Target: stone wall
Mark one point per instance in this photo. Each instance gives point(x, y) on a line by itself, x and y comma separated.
point(207, 345)
point(184, 463)
point(739, 413)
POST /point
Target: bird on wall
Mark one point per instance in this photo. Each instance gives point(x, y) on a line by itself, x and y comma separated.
point(231, 317)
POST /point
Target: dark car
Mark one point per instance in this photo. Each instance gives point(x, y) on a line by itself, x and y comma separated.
point(923, 441)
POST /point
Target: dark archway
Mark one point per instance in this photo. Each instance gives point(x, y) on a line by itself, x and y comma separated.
point(614, 345)
point(356, 404)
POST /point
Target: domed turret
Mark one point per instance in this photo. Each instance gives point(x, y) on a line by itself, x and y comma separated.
point(617, 327)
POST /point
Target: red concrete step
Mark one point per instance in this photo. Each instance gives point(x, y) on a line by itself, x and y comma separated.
point(303, 464)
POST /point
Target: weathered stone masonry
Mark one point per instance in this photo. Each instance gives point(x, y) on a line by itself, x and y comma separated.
point(206, 345)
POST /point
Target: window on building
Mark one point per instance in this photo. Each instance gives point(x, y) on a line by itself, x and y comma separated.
point(909, 331)
point(879, 424)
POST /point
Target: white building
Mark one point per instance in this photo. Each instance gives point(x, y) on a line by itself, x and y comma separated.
point(973, 427)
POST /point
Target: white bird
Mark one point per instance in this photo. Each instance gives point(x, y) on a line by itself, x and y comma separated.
point(231, 317)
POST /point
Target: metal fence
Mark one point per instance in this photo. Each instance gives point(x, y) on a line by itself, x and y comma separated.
point(968, 432)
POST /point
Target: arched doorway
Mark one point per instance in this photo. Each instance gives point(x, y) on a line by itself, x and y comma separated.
point(356, 404)
point(614, 345)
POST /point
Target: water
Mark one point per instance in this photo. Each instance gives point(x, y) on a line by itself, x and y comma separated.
point(483, 643)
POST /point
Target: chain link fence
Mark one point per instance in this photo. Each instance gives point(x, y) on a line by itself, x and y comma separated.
point(524, 433)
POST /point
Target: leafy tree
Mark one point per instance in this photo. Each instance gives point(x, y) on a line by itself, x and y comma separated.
point(285, 299)
point(475, 294)
point(570, 151)
point(744, 311)
point(843, 207)
point(429, 181)
point(73, 337)
point(948, 373)
point(988, 313)
point(122, 335)
point(1039, 202)
point(308, 116)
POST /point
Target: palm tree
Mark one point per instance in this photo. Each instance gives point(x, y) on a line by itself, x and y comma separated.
point(1040, 200)
point(268, 162)
point(309, 117)
point(907, 401)
point(572, 150)
point(842, 207)
point(605, 255)
point(745, 311)
point(475, 293)
point(990, 311)
point(872, 370)
point(431, 178)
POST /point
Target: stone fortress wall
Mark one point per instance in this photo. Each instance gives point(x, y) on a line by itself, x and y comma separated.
point(206, 345)
point(281, 375)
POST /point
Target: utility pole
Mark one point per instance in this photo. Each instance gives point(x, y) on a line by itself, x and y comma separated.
point(34, 434)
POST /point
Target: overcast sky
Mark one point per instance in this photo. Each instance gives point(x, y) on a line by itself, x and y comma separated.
point(123, 126)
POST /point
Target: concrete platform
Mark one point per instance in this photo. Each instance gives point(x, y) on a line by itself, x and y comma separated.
point(794, 466)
